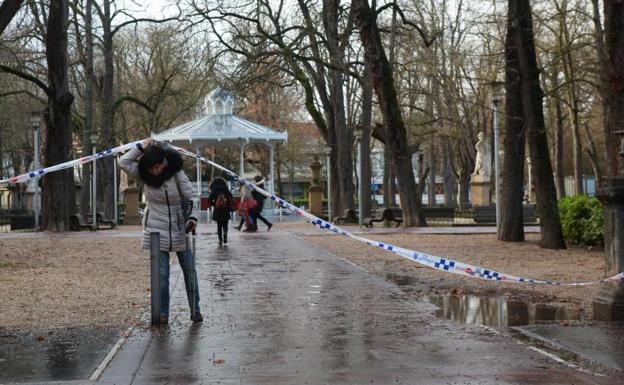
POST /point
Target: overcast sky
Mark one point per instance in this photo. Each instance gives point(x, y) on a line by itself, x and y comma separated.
point(149, 8)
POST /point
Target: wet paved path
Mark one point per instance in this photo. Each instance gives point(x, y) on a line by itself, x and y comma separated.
point(280, 311)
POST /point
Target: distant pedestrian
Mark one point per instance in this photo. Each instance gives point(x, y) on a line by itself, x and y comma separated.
point(259, 197)
point(170, 199)
point(222, 201)
point(247, 209)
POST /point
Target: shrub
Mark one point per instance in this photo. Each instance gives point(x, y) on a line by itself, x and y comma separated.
point(300, 202)
point(582, 220)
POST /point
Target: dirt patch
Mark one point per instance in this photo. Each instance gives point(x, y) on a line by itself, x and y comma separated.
point(524, 259)
point(55, 282)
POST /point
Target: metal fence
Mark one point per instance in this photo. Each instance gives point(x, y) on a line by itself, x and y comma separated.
point(17, 220)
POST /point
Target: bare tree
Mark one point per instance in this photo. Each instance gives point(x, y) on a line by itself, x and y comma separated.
point(394, 127)
point(512, 178)
point(58, 188)
point(530, 95)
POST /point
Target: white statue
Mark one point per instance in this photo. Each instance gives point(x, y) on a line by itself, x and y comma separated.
point(483, 164)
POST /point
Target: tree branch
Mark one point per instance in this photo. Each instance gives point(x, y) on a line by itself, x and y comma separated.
point(420, 31)
point(25, 92)
point(131, 99)
point(25, 76)
point(8, 10)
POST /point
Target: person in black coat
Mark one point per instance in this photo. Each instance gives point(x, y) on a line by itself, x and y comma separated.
point(260, 199)
point(222, 201)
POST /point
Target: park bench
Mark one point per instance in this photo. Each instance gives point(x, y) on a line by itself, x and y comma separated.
point(388, 214)
point(77, 223)
point(349, 216)
point(442, 213)
point(487, 215)
point(107, 222)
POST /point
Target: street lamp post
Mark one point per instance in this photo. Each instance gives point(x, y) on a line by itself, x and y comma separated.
point(358, 138)
point(495, 87)
point(94, 139)
point(496, 100)
point(328, 160)
point(35, 120)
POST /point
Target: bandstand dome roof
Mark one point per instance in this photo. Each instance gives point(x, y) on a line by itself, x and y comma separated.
point(220, 125)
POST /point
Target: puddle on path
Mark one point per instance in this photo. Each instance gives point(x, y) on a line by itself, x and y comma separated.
point(54, 355)
point(497, 311)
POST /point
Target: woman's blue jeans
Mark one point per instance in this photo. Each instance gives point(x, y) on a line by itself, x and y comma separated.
point(184, 257)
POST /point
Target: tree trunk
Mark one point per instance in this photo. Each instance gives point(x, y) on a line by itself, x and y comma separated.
point(432, 174)
point(614, 73)
point(389, 191)
point(107, 133)
point(592, 153)
point(394, 127)
point(389, 176)
point(541, 170)
point(573, 103)
point(449, 178)
point(512, 175)
point(58, 188)
point(88, 111)
point(557, 136)
point(365, 158)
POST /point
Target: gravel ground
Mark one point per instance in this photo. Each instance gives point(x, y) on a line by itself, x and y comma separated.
point(522, 259)
point(53, 282)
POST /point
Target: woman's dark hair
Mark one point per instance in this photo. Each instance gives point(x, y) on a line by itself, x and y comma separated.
point(155, 154)
point(218, 183)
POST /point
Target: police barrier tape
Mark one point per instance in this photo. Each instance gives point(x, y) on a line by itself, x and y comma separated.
point(428, 260)
point(434, 262)
point(72, 163)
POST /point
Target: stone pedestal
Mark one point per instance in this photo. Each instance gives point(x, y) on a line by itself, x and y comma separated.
point(315, 192)
point(480, 191)
point(609, 304)
point(131, 196)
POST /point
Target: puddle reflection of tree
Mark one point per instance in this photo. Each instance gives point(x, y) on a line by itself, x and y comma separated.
point(62, 361)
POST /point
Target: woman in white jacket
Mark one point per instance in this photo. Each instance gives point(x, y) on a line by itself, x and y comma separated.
point(168, 192)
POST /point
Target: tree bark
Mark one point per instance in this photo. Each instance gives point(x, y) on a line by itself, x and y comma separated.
point(592, 153)
point(344, 133)
point(449, 178)
point(557, 135)
point(614, 71)
point(512, 175)
point(88, 110)
point(365, 159)
point(573, 103)
point(601, 53)
point(431, 193)
point(58, 188)
point(106, 132)
point(394, 127)
point(533, 113)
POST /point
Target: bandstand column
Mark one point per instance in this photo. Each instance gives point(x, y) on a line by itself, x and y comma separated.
point(271, 170)
point(241, 169)
point(198, 172)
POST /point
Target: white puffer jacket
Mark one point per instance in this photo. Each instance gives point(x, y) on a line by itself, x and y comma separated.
point(163, 212)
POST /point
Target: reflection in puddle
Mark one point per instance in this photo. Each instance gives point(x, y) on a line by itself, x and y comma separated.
point(49, 355)
point(498, 311)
